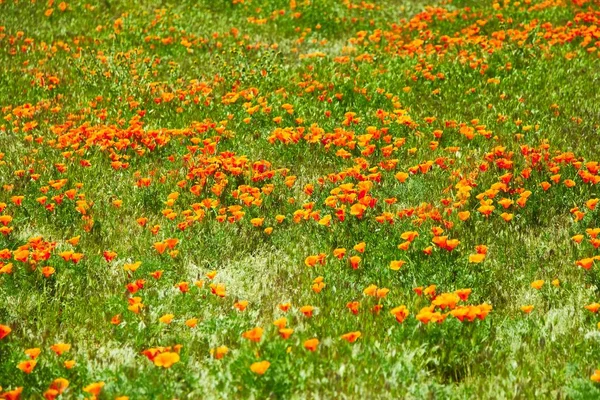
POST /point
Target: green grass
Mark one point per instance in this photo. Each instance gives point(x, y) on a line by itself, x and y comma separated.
point(193, 96)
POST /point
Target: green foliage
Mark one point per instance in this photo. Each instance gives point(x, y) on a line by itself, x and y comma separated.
point(195, 115)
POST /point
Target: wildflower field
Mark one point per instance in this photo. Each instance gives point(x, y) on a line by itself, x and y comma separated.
point(289, 199)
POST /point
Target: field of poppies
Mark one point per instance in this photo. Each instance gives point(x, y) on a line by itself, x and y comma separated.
point(329, 199)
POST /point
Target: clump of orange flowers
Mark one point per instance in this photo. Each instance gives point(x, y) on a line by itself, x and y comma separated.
point(164, 357)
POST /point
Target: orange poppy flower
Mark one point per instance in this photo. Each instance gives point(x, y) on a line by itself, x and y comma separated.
point(446, 300)
point(260, 367)
point(426, 315)
point(280, 323)
point(452, 244)
point(353, 306)
point(537, 284)
point(166, 319)
point(142, 221)
point(440, 241)
point(401, 177)
point(257, 222)
point(404, 245)
point(311, 261)
point(594, 307)
point(51, 394)
point(464, 215)
point(27, 366)
point(218, 289)
point(156, 274)
point(74, 241)
point(577, 238)
point(109, 255)
point(318, 285)
point(370, 290)
point(360, 247)
point(505, 203)
point(591, 203)
point(430, 291)
point(94, 388)
point(585, 263)
point(33, 353)
point(311, 344)
point(4, 331)
point(132, 266)
point(354, 261)
point(396, 265)
point(6, 268)
point(339, 253)
point(486, 210)
point(60, 348)
point(593, 233)
point(136, 307)
point(437, 231)
point(59, 384)
point(285, 333)
point(76, 257)
point(476, 258)
point(166, 359)
point(17, 200)
point(211, 275)
point(351, 337)
point(241, 305)
point(506, 217)
point(358, 210)
point(409, 236)
point(253, 335)
point(376, 309)
point(219, 352)
point(400, 312)
point(191, 323)
point(48, 271)
point(160, 247)
point(14, 394)
point(463, 294)
point(307, 311)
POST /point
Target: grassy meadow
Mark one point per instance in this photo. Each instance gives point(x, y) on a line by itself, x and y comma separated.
point(299, 199)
